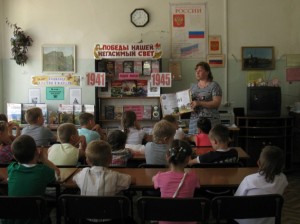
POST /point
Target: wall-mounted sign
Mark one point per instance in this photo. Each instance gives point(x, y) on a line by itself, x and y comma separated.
point(95, 79)
point(55, 93)
point(45, 80)
point(162, 79)
point(123, 50)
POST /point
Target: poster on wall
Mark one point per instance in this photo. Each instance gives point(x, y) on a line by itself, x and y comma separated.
point(45, 80)
point(189, 31)
point(75, 96)
point(55, 93)
point(34, 95)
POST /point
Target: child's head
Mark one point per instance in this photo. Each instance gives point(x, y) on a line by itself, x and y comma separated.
point(98, 153)
point(86, 119)
point(34, 116)
point(67, 133)
point(117, 139)
point(24, 149)
point(204, 125)
point(172, 119)
point(270, 162)
point(3, 129)
point(3, 117)
point(163, 132)
point(179, 153)
point(219, 134)
point(128, 120)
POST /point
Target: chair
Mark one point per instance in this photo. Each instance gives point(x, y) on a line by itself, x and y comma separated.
point(173, 209)
point(23, 208)
point(242, 207)
point(76, 207)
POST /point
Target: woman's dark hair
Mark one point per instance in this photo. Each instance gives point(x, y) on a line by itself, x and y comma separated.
point(206, 67)
point(271, 162)
point(204, 124)
point(117, 139)
point(179, 151)
point(128, 119)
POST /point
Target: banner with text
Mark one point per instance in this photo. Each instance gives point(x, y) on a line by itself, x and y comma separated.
point(71, 80)
point(122, 50)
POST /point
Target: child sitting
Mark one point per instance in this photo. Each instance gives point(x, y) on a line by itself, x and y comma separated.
point(120, 154)
point(268, 180)
point(67, 152)
point(27, 177)
point(135, 135)
point(11, 126)
point(163, 134)
point(98, 180)
point(41, 135)
point(219, 138)
point(89, 129)
point(179, 133)
point(202, 139)
point(6, 155)
point(177, 183)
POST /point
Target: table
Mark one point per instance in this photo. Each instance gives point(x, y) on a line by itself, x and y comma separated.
point(199, 151)
point(209, 177)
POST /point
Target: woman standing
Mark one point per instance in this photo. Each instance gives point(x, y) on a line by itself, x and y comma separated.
point(206, 96)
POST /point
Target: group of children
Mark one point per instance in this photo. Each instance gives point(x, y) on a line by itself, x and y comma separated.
point(36, 165)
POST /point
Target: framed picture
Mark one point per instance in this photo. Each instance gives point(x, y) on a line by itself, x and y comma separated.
point(258, 58)
point(59, 58)
point(216, 61)
point(214, 45)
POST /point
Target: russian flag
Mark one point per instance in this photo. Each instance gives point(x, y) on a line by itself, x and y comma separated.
point(196, 34)
point(216, 62)
point(189, 49)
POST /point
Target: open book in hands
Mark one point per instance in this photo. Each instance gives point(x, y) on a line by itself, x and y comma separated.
point(174, 103)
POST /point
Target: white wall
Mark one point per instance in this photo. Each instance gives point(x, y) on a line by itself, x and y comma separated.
point(84, 23)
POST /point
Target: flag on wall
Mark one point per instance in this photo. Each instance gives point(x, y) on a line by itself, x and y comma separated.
point(196, 34)
point(189, 49)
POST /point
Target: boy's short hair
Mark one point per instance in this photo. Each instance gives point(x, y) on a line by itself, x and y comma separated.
point(220, 133)
point(170, 118)
point(24, 148)
point(84, 118)
point(204, 124)
point(98, 152)
point(117, 139)
point(65, 131)
point(271, 162)
point(163, 129)
point(3, 117)
point(32, 115)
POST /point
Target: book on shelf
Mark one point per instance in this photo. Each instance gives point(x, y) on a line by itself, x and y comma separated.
point(53, 117)
point(138, 67)
point(147, 112)
point(100, 66)
point(116, 88)
point(109, 112)
point(44, 109)
point(146, 68)
point(110, 68)
point(89, 108)
point(138, 109)
point(65, 113)
point(77, 111)
point(105, 91)
point(118, 112)
point(118, 67)
point(128, 87)
point(151, 90)
point(174, 103)
point(25, 107)
point(128, 66)
point(14, 112)
point(155, 66)
point(141, 87)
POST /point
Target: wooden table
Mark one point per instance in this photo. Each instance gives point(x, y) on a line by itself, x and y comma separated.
point(209, 177)
point(199, 151)
point(65, 173)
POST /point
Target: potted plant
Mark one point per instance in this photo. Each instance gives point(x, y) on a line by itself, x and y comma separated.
point(20, 43)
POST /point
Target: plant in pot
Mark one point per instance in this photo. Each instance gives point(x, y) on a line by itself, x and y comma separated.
point(20, 43)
